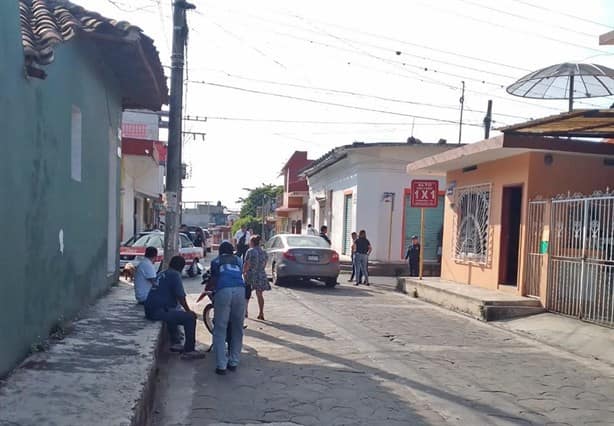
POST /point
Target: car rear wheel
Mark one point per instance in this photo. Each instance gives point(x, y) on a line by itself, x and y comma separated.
point(276, 279)
point(330, 282)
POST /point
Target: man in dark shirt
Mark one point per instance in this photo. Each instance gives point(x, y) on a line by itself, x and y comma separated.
point(161, 305)
point(413, 256)
point(324, 232)
point(362, 250)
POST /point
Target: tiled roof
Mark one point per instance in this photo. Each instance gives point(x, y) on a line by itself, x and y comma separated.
point(124, 47)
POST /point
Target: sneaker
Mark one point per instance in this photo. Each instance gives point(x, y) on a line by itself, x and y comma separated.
point(231, 367)
point(221, 372)
point(177, 347)
point(192, 355)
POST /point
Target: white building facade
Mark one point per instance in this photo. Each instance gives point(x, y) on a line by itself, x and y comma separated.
point(366, 186)
point(142, 172)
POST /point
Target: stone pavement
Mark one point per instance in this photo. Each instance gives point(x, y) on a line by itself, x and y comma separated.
point(370, 356)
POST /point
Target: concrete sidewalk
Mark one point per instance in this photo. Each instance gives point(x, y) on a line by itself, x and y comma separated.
point(580, 338)
point(100, 374)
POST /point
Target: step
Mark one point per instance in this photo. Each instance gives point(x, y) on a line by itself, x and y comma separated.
point(483, 304)
point(503, 312)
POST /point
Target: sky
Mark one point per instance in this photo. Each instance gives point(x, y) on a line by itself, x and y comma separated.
point(275, 76)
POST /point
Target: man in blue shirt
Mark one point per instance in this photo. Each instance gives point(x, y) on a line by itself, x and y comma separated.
point(161, 305)
point(145, 276)
point(227, 277)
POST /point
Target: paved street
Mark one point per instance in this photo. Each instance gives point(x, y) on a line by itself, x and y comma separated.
point(369, 356)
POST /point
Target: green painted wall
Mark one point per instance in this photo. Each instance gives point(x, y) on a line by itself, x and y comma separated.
point(39, 285)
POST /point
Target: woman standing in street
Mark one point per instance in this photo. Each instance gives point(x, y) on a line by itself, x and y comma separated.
point(227, 277)
point(254, 271)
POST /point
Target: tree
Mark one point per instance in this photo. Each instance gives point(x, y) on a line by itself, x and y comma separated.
point(263, 195)
point(249, 222)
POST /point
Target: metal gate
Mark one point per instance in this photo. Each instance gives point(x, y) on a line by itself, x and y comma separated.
point(347, 224)
point(581, 267)
point(534, 257)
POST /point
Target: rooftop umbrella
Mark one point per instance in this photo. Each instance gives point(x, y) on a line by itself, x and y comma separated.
point(566, 81)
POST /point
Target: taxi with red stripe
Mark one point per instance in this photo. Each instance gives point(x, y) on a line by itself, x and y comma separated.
point(135, 252)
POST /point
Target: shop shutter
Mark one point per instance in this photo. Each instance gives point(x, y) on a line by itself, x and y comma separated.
point(347, 224)
point(433, 226)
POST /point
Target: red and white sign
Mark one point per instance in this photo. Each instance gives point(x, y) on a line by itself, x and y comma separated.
point(424, 193)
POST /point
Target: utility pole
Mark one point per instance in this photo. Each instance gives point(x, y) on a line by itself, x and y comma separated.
point(173, 161)
point(488, 120)
point(462, 107)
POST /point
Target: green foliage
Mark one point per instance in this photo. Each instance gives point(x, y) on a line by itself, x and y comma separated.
point(249, 222)
point(265, 194)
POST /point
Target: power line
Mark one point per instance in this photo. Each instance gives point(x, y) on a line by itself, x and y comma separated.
point(352, 93)
point(425, 69)
point(335, 123)
point(243, 41)
point(558, 12)
point(526, 18)
point(317, 101)
point(499, 24)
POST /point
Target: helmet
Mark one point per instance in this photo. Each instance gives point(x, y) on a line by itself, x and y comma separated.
point(226, 248)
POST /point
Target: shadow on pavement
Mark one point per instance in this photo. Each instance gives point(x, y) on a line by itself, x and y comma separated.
point(298, 330)
point(265, 390)
point(313, 286)
point(473, 405)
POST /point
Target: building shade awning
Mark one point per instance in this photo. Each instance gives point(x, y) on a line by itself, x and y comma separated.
point(504, 146)
point(581, 124)
point(286, 209)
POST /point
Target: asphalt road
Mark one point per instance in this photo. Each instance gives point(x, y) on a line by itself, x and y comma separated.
point(370, 356)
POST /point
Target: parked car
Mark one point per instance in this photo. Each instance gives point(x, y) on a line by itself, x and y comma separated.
point(132, 239)
point(208, 240)
point(134, 253)
point(292, 256)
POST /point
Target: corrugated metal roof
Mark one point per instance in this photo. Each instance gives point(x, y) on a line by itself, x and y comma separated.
point(580, 123)
point(125, 48)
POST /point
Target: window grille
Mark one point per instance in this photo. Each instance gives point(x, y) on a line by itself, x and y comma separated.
point(472, 205)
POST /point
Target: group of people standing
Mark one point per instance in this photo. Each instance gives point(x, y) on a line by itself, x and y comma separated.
point(233, 277)
point(361, 249)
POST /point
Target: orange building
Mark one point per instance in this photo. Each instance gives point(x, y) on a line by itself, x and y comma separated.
point(532, 214)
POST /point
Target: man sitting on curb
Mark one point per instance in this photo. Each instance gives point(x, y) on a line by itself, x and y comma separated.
point(145, 276)
point(161, 305)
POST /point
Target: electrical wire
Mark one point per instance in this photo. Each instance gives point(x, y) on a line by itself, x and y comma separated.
point(526, 18)
point(323, 122)
point(352, 93)
point(317, 101)
point(499, 25)
point(558, 12)
point(426, 69)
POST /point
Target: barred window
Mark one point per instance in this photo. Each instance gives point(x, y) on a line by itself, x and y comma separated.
point(472, 207)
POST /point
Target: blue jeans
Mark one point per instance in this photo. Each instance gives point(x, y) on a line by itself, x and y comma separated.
point(229, 307)
point(362, 265)
point(174, 318)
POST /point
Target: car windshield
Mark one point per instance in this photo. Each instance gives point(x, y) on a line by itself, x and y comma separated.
point(305, 241)
point(154, 240)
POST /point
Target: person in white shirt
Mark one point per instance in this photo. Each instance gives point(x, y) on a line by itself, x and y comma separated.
point(311, 230)
point(241, 238)
point(145, 275)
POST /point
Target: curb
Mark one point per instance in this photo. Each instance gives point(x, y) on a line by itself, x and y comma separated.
point(497, 325)
point(143, 410)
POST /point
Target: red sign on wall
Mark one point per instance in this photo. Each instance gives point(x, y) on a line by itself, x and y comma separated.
point(424, 193)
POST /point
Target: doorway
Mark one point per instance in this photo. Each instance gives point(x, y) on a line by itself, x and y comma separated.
point(511, 212)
